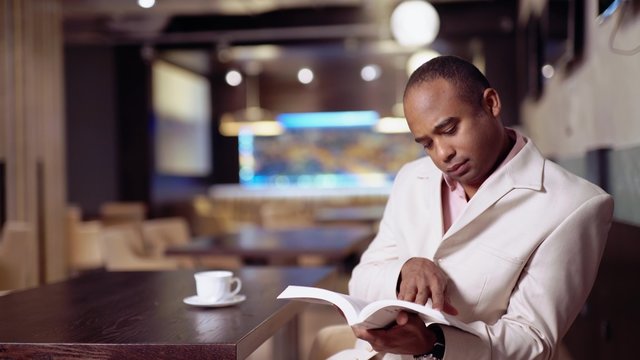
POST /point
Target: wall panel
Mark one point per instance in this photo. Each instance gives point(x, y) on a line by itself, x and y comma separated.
point(33, 125)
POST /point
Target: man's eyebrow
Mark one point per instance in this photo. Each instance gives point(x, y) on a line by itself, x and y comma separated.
point(444, 123)
point(439, 127)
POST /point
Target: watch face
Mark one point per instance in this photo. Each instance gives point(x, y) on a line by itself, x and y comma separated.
point(425, 357)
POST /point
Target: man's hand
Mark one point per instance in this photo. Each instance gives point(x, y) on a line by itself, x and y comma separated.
point(409, 335)
point(421, 279)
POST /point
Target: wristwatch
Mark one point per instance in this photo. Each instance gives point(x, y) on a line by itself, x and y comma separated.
point(437, 353)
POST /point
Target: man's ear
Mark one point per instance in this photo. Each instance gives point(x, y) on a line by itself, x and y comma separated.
point(491, 101)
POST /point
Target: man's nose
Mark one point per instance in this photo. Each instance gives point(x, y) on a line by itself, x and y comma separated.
point(445, 152)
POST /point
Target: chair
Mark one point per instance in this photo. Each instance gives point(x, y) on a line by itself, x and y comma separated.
point(210, 220)
point(85, 247)
point(124, 250)
point(115, 213)
point(161, 233)
point(85, 252)
point(18, 268)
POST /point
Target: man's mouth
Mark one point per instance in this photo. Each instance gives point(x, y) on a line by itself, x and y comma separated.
point(458, 168)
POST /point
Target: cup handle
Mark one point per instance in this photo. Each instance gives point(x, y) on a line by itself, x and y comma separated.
point(238, 283)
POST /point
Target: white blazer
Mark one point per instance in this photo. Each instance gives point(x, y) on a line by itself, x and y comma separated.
point(521, 259)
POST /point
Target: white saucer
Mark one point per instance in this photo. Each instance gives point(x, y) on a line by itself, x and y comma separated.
point(196, 301)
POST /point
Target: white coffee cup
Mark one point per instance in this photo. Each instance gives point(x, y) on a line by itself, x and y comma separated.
point(217, 285)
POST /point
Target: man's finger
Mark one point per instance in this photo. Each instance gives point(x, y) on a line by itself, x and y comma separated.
point(362, 333)
point(422, 297)
point(449, 309)
point(407, 294)
point(402, 318)
point(437, 297)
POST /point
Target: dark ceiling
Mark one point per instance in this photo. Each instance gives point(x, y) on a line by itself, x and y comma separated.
point(314, 31)
point(199, 21)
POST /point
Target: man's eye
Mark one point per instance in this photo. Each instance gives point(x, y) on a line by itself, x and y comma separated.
point(428, 145)
point(450, 130)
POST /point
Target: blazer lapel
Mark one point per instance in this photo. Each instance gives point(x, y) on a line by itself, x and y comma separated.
point(523, 171)
point(431, 180)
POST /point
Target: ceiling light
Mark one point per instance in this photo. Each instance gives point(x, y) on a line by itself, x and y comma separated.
point(233, 78)
point(370, 72)
point(305, 75)
point(232, 127)
point(548, 71)
point(252, 119)
point(146, 3)
point(392, 125)
point(415, 23)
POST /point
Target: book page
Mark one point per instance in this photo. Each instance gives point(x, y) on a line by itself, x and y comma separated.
point(349, 305)
point(371, 315)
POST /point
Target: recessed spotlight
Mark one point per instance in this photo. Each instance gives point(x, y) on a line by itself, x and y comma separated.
point(305, 75)
point(233, 78)
point(548, 71)
point(370, 72)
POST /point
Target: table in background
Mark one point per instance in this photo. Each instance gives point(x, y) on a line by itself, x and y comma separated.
point(369, 215)
point(140, 315)
point(332, 243)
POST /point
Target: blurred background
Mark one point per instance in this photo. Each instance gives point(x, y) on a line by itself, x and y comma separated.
point(273, 113)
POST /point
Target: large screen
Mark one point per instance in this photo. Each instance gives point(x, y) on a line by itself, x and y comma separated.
point(181, 104)
point(338, 149)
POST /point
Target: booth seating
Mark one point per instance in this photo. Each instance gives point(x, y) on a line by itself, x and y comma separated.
point(85, 246)
point(161, 233)
point(124, 250)
point(117, 212)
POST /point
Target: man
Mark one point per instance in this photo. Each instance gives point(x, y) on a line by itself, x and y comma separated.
point(483, 228)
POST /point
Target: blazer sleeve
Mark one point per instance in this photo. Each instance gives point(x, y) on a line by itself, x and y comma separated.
point(552, 289)
point(376, 275)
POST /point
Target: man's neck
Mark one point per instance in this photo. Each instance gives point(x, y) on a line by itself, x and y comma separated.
point(507, 144)
point(509, 140)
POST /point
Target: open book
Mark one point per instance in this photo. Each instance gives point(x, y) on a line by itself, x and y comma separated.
point(371, 315)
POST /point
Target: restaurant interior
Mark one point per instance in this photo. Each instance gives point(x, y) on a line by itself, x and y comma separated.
point(131, 129)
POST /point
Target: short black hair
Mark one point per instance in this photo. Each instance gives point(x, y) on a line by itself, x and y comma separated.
point(469, 81)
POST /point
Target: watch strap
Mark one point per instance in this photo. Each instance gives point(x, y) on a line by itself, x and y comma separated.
point(438, 347)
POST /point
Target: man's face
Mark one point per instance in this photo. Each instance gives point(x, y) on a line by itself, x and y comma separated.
point(463, 140)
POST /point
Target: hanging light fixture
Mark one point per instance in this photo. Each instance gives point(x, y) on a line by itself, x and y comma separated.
point(252, 119)
point(415, 23)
